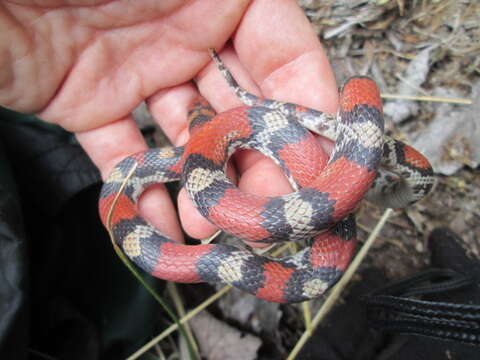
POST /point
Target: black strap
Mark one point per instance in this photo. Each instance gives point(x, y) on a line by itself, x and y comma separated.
point(389, 309)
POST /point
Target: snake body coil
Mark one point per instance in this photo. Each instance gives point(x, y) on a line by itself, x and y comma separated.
point(327, 191)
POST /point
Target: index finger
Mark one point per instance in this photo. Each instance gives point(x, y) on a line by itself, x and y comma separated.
point(276, 43)
point(278, 47)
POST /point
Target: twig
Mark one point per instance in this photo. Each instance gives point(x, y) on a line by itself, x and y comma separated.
point(177, 301)
point(428, 98)
point(307, 317)
point(211, 238)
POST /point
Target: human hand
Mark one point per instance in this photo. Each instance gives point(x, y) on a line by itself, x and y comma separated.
point(85, 66)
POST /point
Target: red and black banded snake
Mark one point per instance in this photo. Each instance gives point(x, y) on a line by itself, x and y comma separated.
point(326, 191)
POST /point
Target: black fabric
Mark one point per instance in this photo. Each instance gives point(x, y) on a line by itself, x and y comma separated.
point(393, 308)
point(430, 281)
point(446, 253)
point(64, 293)
point(13, 269)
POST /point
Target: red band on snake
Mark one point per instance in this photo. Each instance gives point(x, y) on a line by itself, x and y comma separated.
point(319, 211)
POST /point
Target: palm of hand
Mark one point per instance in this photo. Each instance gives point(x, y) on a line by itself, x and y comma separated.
point(93, 64)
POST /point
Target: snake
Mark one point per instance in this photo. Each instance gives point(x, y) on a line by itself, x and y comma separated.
point(364, 163)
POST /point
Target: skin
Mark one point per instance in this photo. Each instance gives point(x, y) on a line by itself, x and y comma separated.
point(86, 64)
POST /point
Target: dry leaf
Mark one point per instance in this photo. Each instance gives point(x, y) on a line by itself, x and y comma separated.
point(219, 341)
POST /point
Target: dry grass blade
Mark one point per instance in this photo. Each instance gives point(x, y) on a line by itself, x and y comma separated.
point(307, 317)
point(184, 319)
point(114, 203)
point(177, 301)
point(428, 98)
point(211, 238)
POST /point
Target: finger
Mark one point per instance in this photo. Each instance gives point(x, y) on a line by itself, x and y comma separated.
point(169, 107)
point(277, 45)
point(107, 146)
point(213, 86)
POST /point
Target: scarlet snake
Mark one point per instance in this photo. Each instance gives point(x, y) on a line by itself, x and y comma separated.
point(319, 210)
